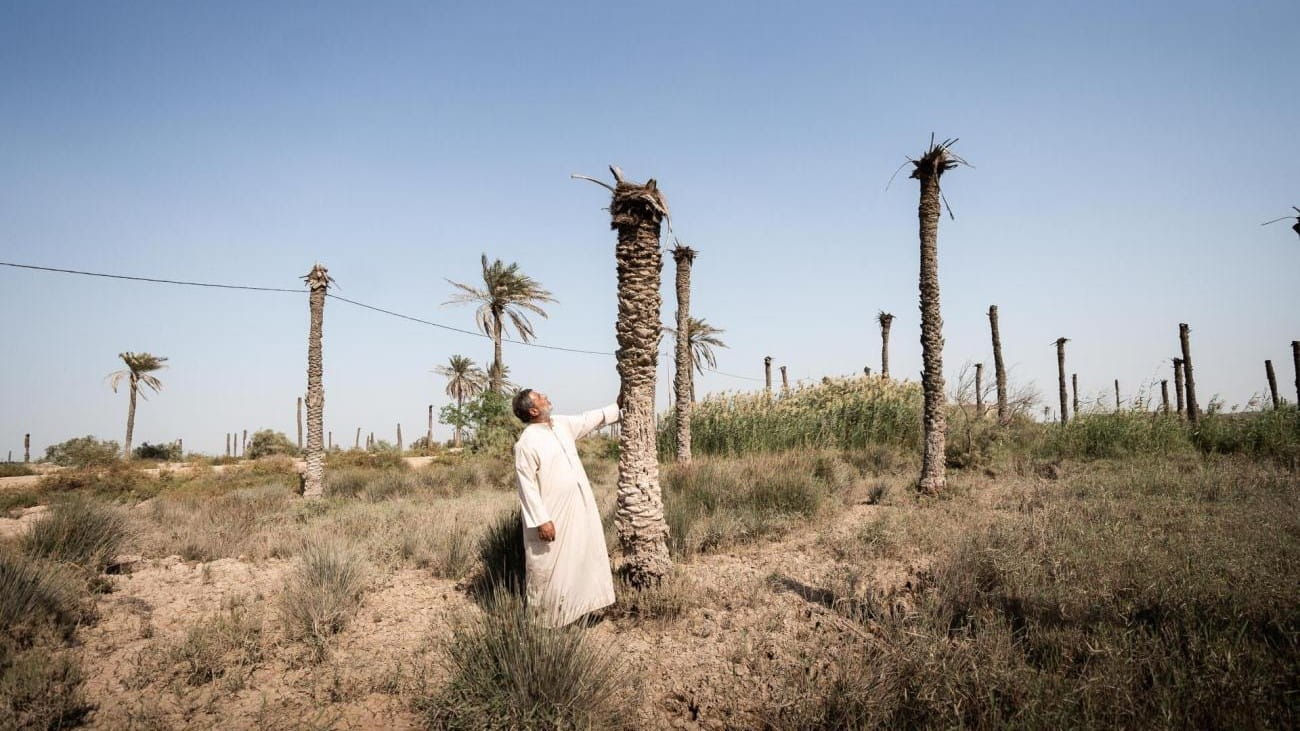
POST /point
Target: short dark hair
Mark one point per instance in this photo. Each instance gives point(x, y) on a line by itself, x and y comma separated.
point(522, 402)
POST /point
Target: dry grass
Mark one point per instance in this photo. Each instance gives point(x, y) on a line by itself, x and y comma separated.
point(322, 592)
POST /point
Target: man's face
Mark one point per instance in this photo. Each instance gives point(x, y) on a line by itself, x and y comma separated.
point(541, 406)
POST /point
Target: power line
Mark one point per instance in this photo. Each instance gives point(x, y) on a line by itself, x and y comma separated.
point(150, 279)
point(214, 285)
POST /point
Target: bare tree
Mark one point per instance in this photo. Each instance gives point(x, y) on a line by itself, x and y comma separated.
point(1060, 370)
point(318, 282)
point(999, 370)
point(1272, 382)
point(928, 170)
point(1193, 412)
point(636, 212)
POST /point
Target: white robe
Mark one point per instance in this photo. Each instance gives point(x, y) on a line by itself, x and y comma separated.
point(570, 576)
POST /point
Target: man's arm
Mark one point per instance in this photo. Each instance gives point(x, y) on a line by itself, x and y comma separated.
point(530, 495)
point(593, 420)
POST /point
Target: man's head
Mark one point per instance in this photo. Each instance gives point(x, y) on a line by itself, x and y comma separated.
point(531, 406)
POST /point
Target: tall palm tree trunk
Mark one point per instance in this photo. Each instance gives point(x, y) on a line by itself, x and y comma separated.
point(318, 282)
point(636, 212)
point(886, 322)
point(227, 444)
point(1178, 384)
point(357, 444)
point(1295, 363)
point(928, 171)
point(785, 382)
point(1074, 392)
point(27, 448)
point(428, 439)
point(497, 376)
point(1272, 382)
point(683, 384)
point(399, 440)
point(460, 403)
point(1193, 412)
point(1060, 370)
point(767, 375)
point(130, 417)
point(999, 370)
point(1117, 407)
point(1164, 395)
point(979, 389)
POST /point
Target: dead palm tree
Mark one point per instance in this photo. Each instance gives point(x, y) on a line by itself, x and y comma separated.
point(928, 170)
point(1060, 369)
point(1272, 383)
point(1184, 339)
point(507, 293)
point(139, 371)
point(701, 339)
point(318, 282)
point(999, 370)
point(1178, 384)
point(886, 320)
point(1295, 364)
point(464, 381)
point(684, 383)
point(636, 212)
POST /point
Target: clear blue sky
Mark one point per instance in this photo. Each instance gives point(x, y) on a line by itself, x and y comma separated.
point(1124, 156)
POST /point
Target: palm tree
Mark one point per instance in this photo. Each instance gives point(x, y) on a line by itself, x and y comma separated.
point(928, 170)
point(506, 293)
point(999, 370)
point(139, 370)
point(318, 282)
point(636, 212)
point(701, 339)
point(684, 383)
point(1272, 383)
point(464, 381)
point(886, 320)
point(1060, 370)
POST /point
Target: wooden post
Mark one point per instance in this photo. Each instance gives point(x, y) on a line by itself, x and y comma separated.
point(979, 389)
point(1164, 395)
point(1193, 411)
point(1272, 382)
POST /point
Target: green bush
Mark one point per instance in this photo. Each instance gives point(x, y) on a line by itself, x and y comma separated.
point(161, 452)
point(84, 451)
point(361, 458)
point(268, 442)
point(77, 531)
point(508, 671)
point(1270, 433)
point(15, 469)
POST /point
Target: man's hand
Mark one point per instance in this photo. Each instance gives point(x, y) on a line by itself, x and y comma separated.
point(546, 531)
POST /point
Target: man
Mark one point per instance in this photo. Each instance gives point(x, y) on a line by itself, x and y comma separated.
point(564, 545)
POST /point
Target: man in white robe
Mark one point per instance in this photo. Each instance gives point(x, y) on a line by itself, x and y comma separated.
point(568, 573)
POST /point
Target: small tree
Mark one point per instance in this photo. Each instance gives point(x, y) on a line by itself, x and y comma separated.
point(268, 442)
point(84, 451)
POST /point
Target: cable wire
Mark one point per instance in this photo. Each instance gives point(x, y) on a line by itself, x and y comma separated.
point(151, 279)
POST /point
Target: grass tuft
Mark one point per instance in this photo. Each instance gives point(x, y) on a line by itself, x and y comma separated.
point(322, 592)
point(77, 531)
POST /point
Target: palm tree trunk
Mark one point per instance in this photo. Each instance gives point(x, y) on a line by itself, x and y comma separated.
point(314, 475)
point(428, 439)
point(496, 376)
point(1074, 391)
point(1117, 407)
point(1272, 382)
point(979, 389)
point(227, 444)
point(684, 383)
point(399, 439)
point(767, 375)
point(885, 324)
point(933, 477)
point(999, 370)
point(636, 213)
point(300, 423)
point(1178, 384)
point(27, 448)
point(1295, 363)
point(357, 443)
point(1193, 412)
point(460, 400)
point(1164, 395)
point(785, 382)
point(1060, 370)
point(329, 443)
point(244, 448)
point(130, 417)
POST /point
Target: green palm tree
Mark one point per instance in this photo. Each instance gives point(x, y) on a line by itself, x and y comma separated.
point(464, 381)
point(701, 339)
point(506, 293)
point(139, 370)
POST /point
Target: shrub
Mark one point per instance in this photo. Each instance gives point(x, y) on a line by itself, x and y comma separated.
point(322, 592)
point(162, 452)
point(35, 595)
point(78, 531)
point(15, 469)
point(267, 442)
point(84, 451)
point(501, 556)
point(213, 646)
point(360, 458)
point(508, 671)
point(116, 481)
point(40, 689)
